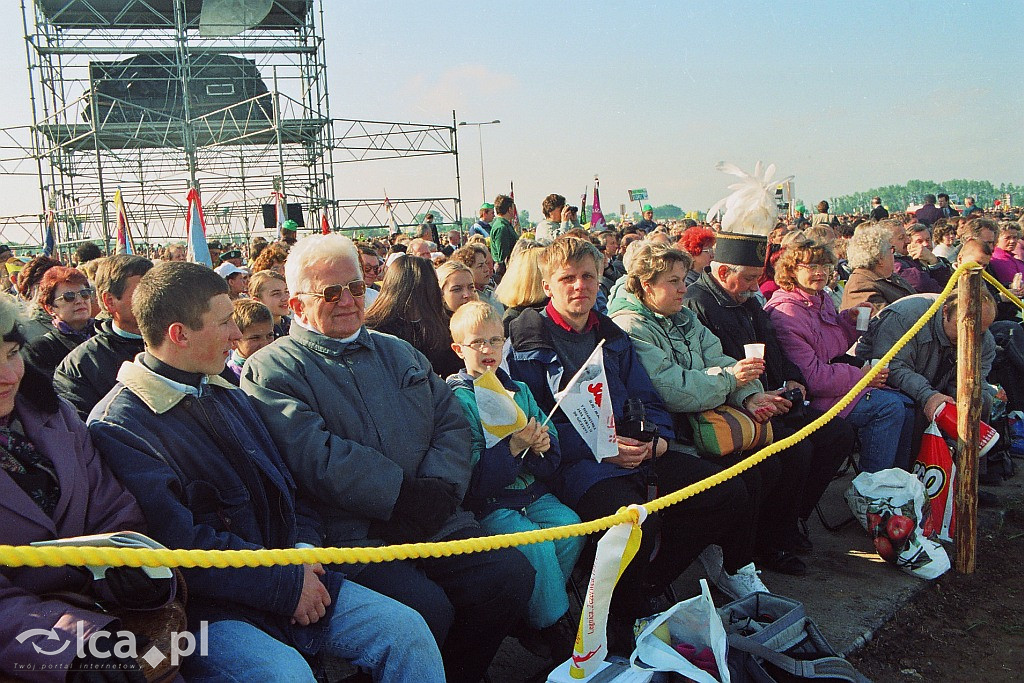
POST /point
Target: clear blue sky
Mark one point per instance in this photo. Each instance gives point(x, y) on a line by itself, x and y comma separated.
point(845, 96)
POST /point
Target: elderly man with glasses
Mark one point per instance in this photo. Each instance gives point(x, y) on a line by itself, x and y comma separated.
point(379, 446)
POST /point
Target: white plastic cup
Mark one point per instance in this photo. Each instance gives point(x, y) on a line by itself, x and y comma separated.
point(863, 316)
point(754, 351)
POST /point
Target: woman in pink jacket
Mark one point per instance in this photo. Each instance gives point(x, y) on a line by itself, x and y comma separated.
point(816, 338)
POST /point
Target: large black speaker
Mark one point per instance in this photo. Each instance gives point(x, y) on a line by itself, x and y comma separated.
point(294, 214)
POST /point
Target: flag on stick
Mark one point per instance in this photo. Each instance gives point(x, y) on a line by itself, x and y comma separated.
point(597, 223)
point(392, 225)
point(500, 415)
point(125, 243)
point(587, 405)
point(49, 233)
point(281, 214)
point(583, 207)
point(515, 210)
point(197, 250)
point(325, 227)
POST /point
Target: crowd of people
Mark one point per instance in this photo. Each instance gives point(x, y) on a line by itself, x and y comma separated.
point(319, 392)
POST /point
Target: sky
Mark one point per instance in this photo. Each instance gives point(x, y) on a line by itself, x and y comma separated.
point(844, 96)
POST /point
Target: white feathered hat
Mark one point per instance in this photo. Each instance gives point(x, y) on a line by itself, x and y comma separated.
point(748, 215)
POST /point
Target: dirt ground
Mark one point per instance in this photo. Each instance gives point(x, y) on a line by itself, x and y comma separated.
point(963, 627)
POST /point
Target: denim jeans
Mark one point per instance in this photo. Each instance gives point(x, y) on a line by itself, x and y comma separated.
point(368, 629)
point(885, 423)
point(553, 560)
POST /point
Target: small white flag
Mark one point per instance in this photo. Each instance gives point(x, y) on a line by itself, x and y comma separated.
point(587, 404)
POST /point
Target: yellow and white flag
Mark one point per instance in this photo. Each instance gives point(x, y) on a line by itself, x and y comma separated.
point(615, 550)
point(588, 406)
point(500, 415)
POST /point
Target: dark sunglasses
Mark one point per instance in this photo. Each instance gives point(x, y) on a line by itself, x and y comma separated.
point(86, 294)
point(332, 293)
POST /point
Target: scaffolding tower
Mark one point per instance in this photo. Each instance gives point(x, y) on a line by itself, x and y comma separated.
point(154, 96)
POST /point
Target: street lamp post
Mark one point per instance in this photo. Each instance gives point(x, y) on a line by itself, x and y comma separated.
point(479, 125)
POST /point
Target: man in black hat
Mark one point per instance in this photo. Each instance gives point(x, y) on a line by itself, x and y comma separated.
point(234, 257)
point(794, 479)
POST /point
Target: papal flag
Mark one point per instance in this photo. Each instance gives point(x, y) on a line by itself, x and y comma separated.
point(125, 243)
point(500, 415)
point(585, 401)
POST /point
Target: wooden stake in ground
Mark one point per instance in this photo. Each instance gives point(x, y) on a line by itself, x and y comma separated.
point(968, 405)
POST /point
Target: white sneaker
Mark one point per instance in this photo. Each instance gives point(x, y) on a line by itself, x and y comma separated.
point(741, 584)
point(711, 558)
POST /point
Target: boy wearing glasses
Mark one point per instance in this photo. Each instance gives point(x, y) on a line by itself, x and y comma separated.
point(507, 490)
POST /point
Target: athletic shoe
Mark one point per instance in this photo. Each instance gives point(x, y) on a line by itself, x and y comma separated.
point(741, 584)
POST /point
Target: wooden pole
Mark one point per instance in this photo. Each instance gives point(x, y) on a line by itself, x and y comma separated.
point(968, 403)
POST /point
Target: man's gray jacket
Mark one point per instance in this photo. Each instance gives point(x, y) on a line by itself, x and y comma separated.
point(927, 364)
point(352, 419)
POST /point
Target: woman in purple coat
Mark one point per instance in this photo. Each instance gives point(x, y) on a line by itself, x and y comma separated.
point(53, 485)
point(817, 338)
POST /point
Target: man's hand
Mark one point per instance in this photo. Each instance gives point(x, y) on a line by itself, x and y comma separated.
point(314, 598)
point(935, 402)
point(766, 405)
point(920, 252)
point(424, 505)
point(631, 453)
point(793, 384)
point(747, 370)
point(879, 381)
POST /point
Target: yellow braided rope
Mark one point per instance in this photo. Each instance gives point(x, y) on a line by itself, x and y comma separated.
point(56, 556)
point(1006, 292)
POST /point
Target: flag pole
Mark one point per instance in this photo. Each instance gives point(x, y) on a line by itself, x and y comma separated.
point(558, 403)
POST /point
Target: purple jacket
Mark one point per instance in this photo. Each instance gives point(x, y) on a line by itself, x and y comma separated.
point(812, 332)
point(1005, 265)
point(91, 501)
point(928, 214)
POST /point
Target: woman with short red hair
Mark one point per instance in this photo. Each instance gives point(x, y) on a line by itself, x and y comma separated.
point(698, 242)
point(66, 295)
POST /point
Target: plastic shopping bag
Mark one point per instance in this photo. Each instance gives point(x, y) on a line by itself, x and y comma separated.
point(936, 470)
point(891, 506)
point(691, 626)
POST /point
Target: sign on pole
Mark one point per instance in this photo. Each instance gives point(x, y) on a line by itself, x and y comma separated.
point(638, 194)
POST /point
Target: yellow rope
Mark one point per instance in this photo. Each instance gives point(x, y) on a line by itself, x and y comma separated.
point(1011, 297)
point(56, 556)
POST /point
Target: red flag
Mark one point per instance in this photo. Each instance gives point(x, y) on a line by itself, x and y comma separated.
point(325, 227)
point(515, 211)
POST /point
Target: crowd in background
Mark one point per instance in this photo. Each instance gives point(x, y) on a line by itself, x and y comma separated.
point(312, 323)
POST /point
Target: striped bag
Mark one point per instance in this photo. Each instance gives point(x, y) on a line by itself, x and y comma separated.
point(726, 430)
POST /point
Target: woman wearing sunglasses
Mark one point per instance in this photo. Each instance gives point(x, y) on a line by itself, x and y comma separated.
point(817, 338)
point(66, 295)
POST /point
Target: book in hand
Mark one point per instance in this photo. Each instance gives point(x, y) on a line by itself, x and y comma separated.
point(117, 539)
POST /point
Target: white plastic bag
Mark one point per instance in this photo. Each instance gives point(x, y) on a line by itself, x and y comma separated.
point(890, 505)
point(694, 621)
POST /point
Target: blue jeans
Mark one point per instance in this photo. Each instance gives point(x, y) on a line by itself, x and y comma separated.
point(553, 560)
point(368, 629)
point(885, 423)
